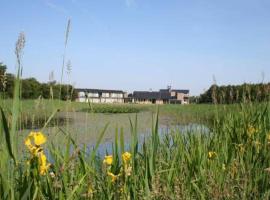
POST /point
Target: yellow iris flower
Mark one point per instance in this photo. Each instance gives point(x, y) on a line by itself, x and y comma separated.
point(108, 160)
point(212, 154)
point(251, 130)
point(43, 166)
point(34, 140)
point(126, 157)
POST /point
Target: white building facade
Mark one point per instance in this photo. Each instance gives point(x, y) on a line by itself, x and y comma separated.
point(100, 96)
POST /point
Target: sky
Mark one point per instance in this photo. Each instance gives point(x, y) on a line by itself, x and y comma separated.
point(140, 44)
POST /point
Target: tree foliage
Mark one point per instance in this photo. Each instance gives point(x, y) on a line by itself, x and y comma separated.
point(236, 93)
point(32, 89)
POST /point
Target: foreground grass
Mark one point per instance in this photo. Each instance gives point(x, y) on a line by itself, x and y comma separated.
point(229, 162)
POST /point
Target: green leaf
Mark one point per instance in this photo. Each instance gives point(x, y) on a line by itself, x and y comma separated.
point(7, 134)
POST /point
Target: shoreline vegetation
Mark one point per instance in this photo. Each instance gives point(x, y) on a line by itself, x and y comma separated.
point(229, 161)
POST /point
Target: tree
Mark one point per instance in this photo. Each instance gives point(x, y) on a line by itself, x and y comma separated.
point(237, 93)
point(30, 88)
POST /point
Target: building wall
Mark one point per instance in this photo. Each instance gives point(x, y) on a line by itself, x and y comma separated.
point(81, 94)
point(159, 102)
point(181, 97)
point(116, 95)
point(173, 94)
point(119, 98)
point(105, 97)
point(92, 95)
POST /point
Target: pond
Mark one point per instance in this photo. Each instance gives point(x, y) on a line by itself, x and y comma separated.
point(85, 128)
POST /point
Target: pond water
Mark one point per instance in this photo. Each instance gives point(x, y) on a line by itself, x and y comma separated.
point(106, 146)
point(85, 128)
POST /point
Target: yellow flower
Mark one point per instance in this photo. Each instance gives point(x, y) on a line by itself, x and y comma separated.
point(108, 160)
point(43, 170)
point(43, 166)
point(39, 138)
point(35, 139)
point(33, 142)
point(42, 159)
point(113, 177)
point(212, 154)
point(27, 142)
point(126, 157)
point(251, 131)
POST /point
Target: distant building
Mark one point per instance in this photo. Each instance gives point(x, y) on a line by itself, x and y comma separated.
point(163, 96)
point(100, 96)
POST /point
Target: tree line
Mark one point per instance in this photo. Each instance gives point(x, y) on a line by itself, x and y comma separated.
point(32, 89)
point(236, 93)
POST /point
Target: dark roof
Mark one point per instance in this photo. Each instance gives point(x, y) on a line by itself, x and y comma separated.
point(181, 91)
point(161, 94)
point(151, 95)
point(165, 94)
point(164, 90)
point(98, 90)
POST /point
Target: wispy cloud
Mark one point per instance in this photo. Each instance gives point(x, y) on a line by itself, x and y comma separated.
point(55, 7)
point(130, 3)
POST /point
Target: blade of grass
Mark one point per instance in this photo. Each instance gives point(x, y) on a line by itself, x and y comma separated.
point(101, 135)
point(7, 135)
point(77, 187)
point(49, 119)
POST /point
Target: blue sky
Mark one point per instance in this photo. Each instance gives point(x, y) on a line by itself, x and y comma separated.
point(141, 44)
